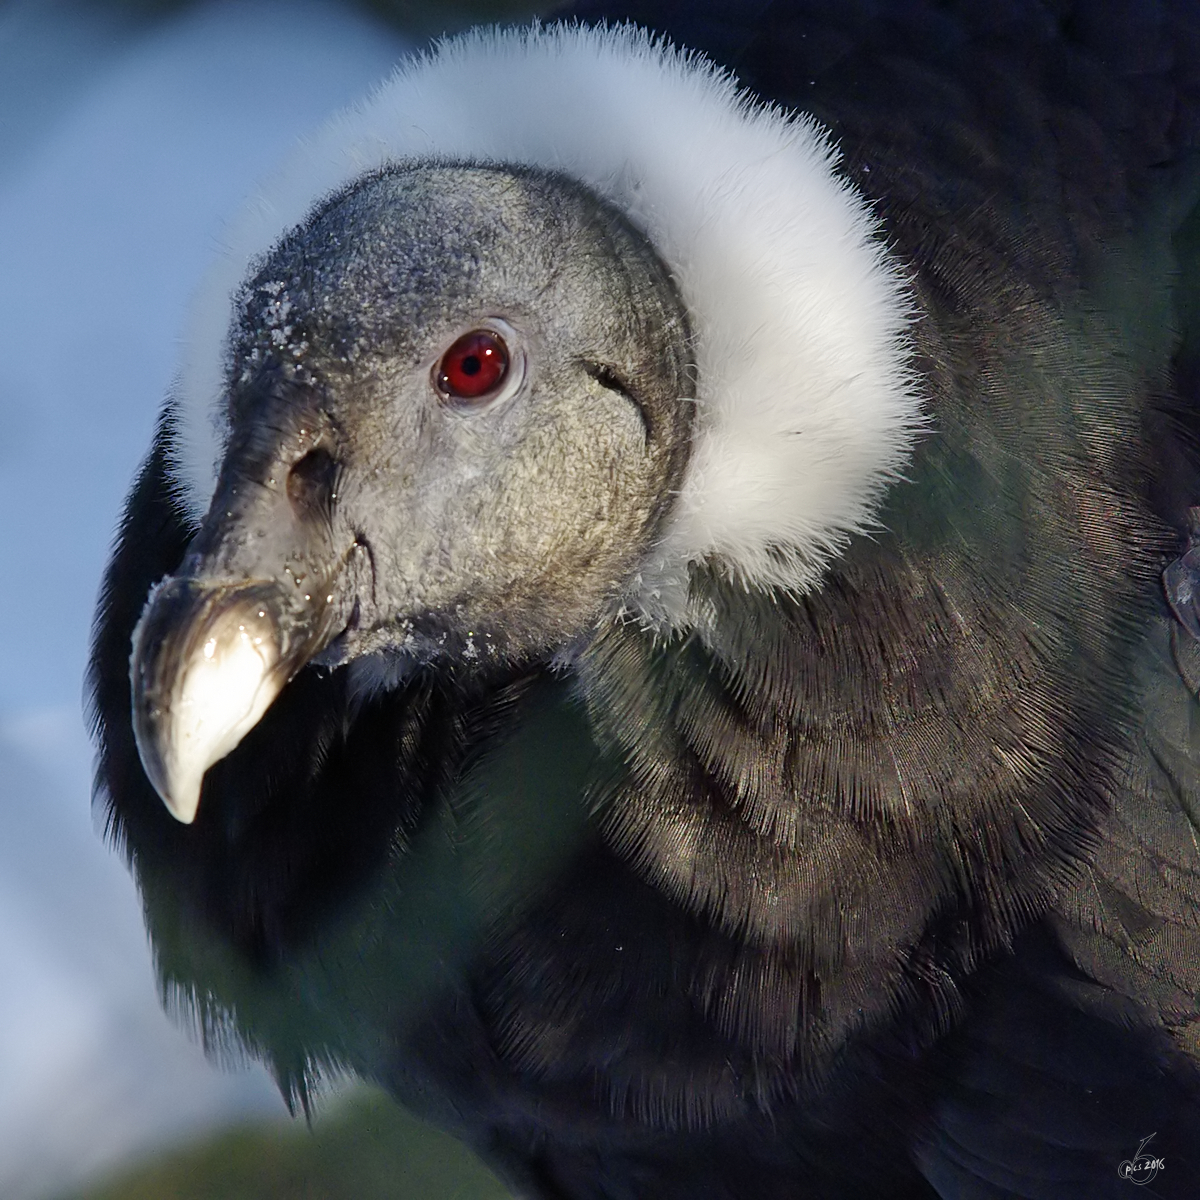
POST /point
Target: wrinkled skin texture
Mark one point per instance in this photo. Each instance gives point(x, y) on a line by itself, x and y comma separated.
point(454, 504)
point(885, 890)
point(337, 337)
point(358, 505)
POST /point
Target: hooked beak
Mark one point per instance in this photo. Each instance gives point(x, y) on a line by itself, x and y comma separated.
point(208, 660)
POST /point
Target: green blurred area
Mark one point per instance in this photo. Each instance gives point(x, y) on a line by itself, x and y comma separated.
point(363, 1148)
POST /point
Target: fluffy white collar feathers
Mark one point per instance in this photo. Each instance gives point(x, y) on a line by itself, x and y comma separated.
point(806, 407)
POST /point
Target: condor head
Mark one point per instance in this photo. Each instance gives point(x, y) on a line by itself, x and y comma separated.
point(456, 412)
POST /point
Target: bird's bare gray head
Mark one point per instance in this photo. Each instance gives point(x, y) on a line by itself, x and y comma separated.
point(457, 411)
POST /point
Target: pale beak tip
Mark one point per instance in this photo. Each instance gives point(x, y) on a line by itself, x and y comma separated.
point(179, 793)
point(184, 808)
point(204, 669)
point(182, 802)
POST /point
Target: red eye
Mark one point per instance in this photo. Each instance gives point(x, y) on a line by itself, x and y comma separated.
point(474, 366)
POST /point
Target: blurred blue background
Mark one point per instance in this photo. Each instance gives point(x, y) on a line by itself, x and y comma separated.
point(128, 134)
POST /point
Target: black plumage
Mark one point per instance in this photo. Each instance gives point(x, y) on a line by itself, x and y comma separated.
point(889, 888)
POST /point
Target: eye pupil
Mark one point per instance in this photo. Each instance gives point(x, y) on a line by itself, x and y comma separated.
point(474, 366)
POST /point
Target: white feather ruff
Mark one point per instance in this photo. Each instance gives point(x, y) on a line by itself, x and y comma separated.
point(806, 408)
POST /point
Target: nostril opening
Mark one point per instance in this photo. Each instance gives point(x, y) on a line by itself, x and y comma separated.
point(312, 483)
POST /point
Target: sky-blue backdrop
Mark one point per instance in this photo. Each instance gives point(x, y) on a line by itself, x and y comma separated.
point(122, 150)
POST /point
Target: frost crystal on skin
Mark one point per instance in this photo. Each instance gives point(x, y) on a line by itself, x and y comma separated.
point(806, 408)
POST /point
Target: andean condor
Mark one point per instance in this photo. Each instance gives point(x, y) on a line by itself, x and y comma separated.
point(664, 617)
